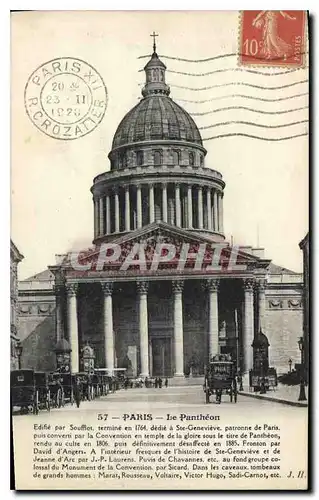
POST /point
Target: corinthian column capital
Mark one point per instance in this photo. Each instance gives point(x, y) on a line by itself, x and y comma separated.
point(248, 285)
point(261, 285)
point(72, 289)
point(178, 286)
point(142, 287)
point(212, 285)
point(107, 287)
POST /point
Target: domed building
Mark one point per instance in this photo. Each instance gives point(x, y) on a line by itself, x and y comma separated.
point(161, 290)
point(158, 169)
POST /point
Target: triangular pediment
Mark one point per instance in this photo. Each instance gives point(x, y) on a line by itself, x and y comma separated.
point(161, 232)
point(158, 248)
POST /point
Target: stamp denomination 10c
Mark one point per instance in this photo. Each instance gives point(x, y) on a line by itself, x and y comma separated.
point(272, 38)
point(65, 98)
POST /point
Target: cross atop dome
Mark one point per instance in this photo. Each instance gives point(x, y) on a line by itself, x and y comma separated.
point(155, 74)
point(154, 35)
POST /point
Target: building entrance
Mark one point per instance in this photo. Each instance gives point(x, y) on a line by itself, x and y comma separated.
point(161, 357)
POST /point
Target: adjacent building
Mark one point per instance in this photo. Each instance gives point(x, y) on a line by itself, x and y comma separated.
point(143, 308)
point(15, 258)
point(304, 246)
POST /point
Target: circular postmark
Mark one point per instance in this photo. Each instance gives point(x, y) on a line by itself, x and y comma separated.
point(65, 98)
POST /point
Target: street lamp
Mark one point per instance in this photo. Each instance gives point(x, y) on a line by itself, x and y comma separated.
point(290, 363)
point(19, 349)
point(302, 393)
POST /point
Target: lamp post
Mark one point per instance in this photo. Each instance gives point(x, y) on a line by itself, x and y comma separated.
point(241, 388)
point(19, 349)
point(290, 363)
point(302, 393)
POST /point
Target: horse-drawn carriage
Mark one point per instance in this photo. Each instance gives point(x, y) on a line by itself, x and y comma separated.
point(43, 390)
point(61, 388)
point(56, 390)
point(220, 377)
point(85, 385)
point(29, 389)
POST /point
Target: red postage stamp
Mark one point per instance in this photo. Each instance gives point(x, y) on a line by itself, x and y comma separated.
point(272, 38)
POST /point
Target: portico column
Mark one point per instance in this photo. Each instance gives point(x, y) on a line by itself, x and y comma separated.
point(248, 324)
point(151, 202)
point(200, 207)
point(189, 206)
point(142, 288)
point(139, 206)
point(58, 312)
point(209, 209)
point(215, 211)
point(261, 289)
point(213, 345)
point(127, 208)
point(117, 210)
point(101, 208)
point(164, 202)
point(72, 321)
point(178, 204)
point(107, 288)
point(108, 214)
point(178, 328)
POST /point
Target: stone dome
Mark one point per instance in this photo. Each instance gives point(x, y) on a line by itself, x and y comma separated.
point(156, 118)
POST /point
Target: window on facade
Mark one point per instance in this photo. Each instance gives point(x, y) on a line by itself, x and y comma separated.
point(120, 160)
point(157, 158)
point(191, 159)
point(139, 158)
point(176, 157)
point(124, 160)
point(201, 160)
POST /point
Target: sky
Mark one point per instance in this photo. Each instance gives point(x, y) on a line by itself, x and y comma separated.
point(266, 194)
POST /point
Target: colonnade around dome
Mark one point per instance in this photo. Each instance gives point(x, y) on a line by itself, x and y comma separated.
point(132, 206)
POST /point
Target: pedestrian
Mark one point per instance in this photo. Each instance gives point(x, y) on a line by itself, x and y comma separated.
point(160, 383)
point(156, 383)
point(166, 382)
point(77, 392)
point(218, 396)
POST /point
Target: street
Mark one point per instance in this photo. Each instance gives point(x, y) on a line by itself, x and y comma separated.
point(159, 401)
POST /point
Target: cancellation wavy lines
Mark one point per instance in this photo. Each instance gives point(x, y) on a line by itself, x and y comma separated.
point(221, 56)
point(214, 58)
point(236, 70)
point(263, 99)
point(246, 108)
point(251, 85)
point(253, 124)
point(261, 138)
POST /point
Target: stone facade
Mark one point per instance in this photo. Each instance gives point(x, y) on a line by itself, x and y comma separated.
point(37, 328)
point(15, 258)
point(108, 318)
